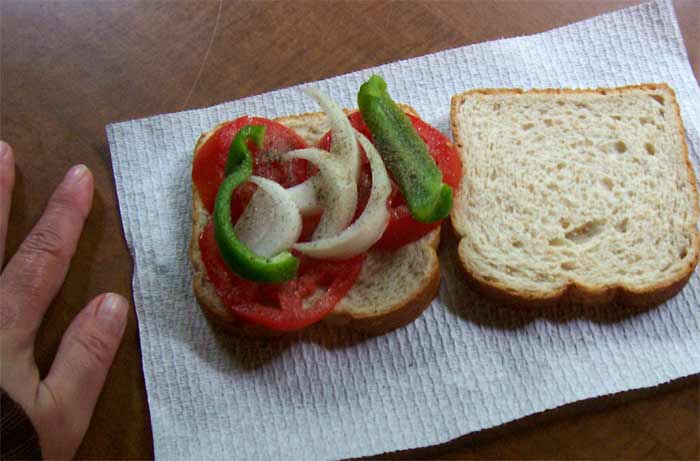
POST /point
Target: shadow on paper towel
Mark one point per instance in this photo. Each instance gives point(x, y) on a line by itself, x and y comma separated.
point(251, 353)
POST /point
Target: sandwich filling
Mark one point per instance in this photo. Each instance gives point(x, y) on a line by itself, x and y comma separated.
point(324, 206)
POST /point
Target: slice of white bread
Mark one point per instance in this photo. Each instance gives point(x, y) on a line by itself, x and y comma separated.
point(393, 287)
point(575, 196)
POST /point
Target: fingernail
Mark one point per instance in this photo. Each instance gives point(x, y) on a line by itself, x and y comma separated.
point(76, 174)
point(4, 151)
point(111, 313)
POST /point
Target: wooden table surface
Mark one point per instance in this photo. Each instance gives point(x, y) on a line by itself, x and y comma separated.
point(70, 67)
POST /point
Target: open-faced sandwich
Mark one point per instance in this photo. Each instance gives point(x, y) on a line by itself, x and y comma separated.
point(324, 216)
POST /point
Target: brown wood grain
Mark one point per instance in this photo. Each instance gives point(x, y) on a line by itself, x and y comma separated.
point(70, 67)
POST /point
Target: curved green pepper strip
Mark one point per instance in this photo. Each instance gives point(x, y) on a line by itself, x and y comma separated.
point(241, 260)
point(404, 153)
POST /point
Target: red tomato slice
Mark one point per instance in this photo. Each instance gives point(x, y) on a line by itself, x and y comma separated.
point(275, 306)
point(279, 306)
point(210, 160)
point(402, 228)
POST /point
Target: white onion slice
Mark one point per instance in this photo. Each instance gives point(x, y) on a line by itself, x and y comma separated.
point(368, 227)
point(337, 191)
point(304, 196)
point(343, 148)
point(271, 222)
point(343, 142)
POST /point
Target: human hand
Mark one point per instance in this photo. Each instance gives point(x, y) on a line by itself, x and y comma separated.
point(59, 406)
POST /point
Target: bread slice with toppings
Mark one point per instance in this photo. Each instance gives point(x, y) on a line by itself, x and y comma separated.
point(583, 196)
point(393, 288)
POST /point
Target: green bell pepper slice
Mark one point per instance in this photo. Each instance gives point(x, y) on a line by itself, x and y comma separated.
point(404, 153)
point(241, 259)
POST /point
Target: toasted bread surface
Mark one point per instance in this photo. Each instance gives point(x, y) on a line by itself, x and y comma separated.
point(575, 196)
point(392, 289)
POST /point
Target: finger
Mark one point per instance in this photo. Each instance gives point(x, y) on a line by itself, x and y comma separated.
point(83, 359)
point(7, 182)
point(36, 272)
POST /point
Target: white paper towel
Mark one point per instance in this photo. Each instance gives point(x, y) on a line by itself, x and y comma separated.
point(465, 364)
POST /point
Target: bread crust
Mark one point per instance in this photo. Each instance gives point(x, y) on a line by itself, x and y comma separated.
point(404, 311)
point(574, 292)
point(397, 315)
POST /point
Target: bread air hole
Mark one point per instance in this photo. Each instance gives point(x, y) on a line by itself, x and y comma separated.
point(527, 126)
point(658, 98)
point(621, 147)
point(556, 242)
point(517, 244)
point(568, 265)
point(622, 226)
point(617, 118)
point(684, 253)
point(651, 150)
point(564, 223)
point(585, 232)
point(510, 270)
point(608, 183)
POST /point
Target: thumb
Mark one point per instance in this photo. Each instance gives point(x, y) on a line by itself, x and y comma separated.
point(78, 372)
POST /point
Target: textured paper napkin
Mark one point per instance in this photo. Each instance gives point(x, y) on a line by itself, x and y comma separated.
point(465, 364)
